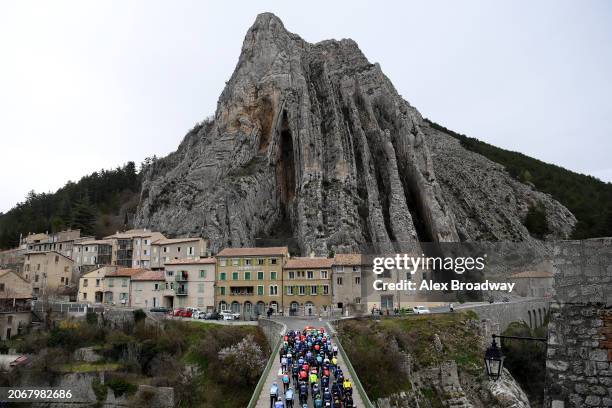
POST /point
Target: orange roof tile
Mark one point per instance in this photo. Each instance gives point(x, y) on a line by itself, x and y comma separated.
point(307, 262)
point(347, 259)
point(149, 276)
point(125, 272)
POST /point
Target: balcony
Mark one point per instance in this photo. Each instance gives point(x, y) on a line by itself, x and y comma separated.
point(181, 277)
point(181, 291)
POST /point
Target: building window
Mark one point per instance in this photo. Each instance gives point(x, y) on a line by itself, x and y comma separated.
point(146, 242)
point(111, 283)
point(357, 280)
point(156, 286)
point(339, 281)
point(339, 268)
point(235, 275)
point(223, 262)
point(222, 276)
point(260, 290)
point(289, 290)
point(145, 252)
point(56, 259)
point(291, 274)
point(170, 273)
point(235, 262)
point(165, 249)
point(178, 249)
point(97, 283)
point(326, 289)
point(273, 261)
point(408, 276)
point(301, 290)
point(124, 283)
point(1, 287)
point(84, 282)
point(137, 242)
point(260, 261)
point(355, 268)
point(313, 289)
point(202, 274)
point(273, 275)
point(36, 278)
point(222, 290)
point(273, 290)
point(200, 301)
point(357, 300)
point(248, 262)
point(310, 274)
point(84, 295)
point(260, 275)
point(200, 288)
point(323, 274)
point(247, 276)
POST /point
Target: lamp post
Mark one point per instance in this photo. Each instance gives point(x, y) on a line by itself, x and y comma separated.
point(494, 358)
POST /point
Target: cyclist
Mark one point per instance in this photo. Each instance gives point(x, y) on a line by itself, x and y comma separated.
point(273, 394)
point(289, 397)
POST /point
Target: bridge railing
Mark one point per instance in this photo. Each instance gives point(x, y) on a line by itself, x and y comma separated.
point(266, 372)
point(347, 362)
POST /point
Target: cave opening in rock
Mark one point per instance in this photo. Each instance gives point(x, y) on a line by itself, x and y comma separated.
point(286, 164)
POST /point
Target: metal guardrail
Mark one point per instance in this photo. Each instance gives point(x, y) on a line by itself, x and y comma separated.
point(357, 384)
point(264, 375)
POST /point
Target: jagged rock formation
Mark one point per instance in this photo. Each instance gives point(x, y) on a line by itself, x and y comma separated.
point(313, 141)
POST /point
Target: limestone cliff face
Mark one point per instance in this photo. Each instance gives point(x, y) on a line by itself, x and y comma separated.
point(313, 141)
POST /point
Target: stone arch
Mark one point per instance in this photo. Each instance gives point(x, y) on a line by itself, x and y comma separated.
point(530, 323)
point(235, 307)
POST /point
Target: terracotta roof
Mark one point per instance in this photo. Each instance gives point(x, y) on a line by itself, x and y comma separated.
point(264, 251)
point(347, 259)
point(307, 262)
point(125, 272)
point(149, 276)
point(4, 272)
point(532, 274)
point(167, 241)
point(194, 261)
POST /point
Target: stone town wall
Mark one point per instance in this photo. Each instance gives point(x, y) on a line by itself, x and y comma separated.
point(578, 365)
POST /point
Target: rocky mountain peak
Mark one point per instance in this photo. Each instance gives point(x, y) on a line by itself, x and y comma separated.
point(312, 142)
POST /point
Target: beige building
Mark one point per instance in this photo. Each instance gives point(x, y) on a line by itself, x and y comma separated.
point(147, 288)
point(307, 286)
point(132, 248)
point(117, 286)
point(15, 297)
point(190, 282)
point(13, 259)
point(169, 249)
point(49, 272)
point(62, 242)
point(346, 283)
point(250, 280)
point(92, 254)
point(91, 285)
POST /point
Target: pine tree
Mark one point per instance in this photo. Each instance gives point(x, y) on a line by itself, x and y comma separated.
point(84, 216)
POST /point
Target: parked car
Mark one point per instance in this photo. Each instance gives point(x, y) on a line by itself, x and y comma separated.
point(160, 310)
point(229, 315)
point(177, 312)
point(182, 312)
point(421, 310)
point(213, 315)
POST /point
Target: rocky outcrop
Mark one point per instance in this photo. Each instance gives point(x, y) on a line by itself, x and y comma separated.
point(312, 141)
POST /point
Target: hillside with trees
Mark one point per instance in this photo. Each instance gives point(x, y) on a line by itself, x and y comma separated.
point(98, 204)
point(587, 197)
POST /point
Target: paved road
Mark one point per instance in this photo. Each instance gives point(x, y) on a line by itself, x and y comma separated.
point(296, 323)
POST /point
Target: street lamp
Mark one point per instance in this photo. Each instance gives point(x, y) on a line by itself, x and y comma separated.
point(494, 358)
point(494, 361)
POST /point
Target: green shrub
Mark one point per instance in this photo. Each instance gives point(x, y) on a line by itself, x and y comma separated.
point(139, 315)
point(536, 221)
point(120, 386)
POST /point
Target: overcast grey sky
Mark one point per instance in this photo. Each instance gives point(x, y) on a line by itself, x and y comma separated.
point(87, 85)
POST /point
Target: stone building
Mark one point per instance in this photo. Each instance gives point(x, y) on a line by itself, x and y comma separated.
point(168, 249)
point(132, 248)
point(92, 254)
point(250, 280)
point(190, 282)
point(15, 297)
point(49, 272)
point(533, 283)
point(307, 286)
point(117, 286)
point(346, 283)
point(62, 242)
point(91, 285)
point(146, 289)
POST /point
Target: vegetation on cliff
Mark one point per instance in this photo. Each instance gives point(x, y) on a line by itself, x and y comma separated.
point(588, 198)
